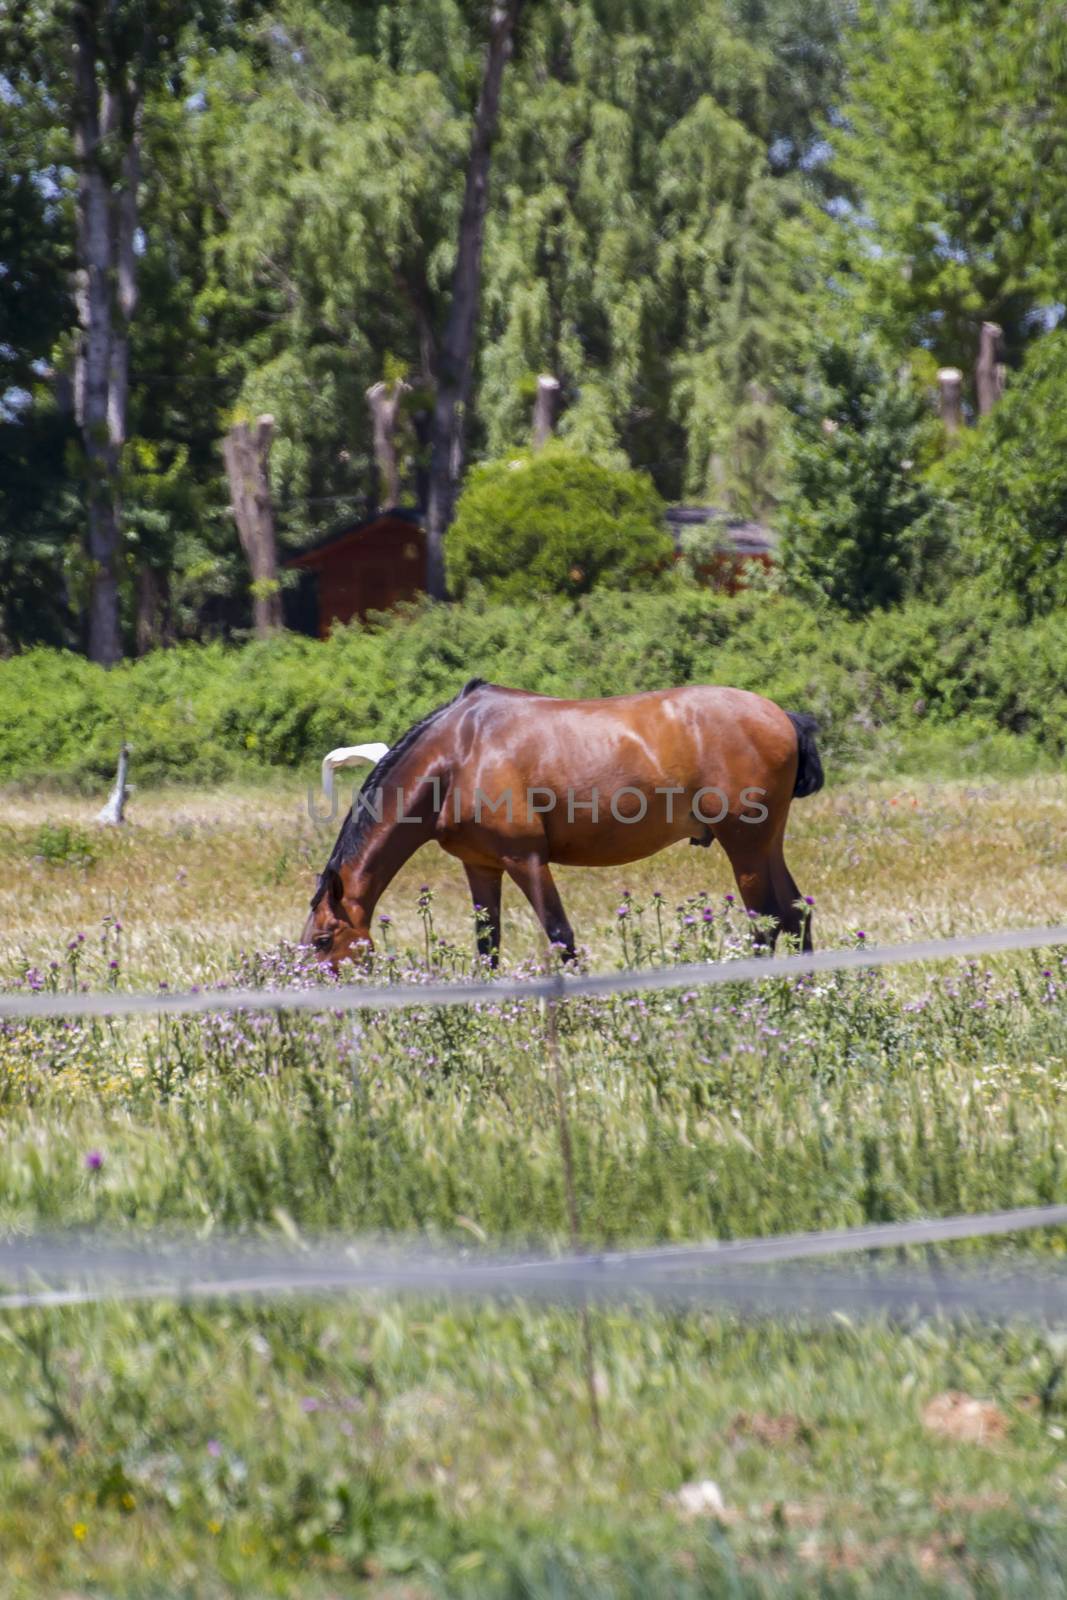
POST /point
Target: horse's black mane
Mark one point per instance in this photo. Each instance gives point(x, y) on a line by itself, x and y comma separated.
point(355, 827)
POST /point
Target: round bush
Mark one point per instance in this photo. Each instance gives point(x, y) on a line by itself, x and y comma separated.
point(556, 523)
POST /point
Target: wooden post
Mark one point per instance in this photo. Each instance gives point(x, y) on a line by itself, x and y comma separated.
point(384, 401)
point(544, 416)
point(950, 384)
point(989, 370)
point(246, 451)
point(112, 814)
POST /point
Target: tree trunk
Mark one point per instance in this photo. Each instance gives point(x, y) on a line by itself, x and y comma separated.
point(246, 451)
point(384, 401)
point(455, 356)
point(544, 417)
point(106, 295)
point(950, 383)
point(989, 371)
point(150, 610)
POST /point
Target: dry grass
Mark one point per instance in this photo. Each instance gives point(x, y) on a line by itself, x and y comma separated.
point(196, 877)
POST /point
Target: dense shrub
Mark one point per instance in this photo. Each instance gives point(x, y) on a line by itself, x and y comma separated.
point(1007, 482)
point(555, 523)
point(955, 684)
point(858, 520)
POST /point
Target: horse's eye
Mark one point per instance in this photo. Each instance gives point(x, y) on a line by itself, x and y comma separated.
point(322, 941)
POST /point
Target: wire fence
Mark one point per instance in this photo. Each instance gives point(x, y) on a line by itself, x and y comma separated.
point(554, 986)
point(753, 1276)
point(48, 1270)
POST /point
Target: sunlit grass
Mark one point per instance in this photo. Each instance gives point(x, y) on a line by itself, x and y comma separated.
point(410, 1450)
point(197, 878)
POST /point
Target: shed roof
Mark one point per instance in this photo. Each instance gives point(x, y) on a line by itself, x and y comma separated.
point(342, 533)
point(743, 537)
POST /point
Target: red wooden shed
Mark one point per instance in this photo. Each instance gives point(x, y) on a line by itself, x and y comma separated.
point(375, 564)
point(368, 566)
point(738, 544)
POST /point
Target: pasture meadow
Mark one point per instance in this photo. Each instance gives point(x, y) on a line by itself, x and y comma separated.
point(416, 1449)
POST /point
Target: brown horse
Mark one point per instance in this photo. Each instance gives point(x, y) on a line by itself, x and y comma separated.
point(508, 781)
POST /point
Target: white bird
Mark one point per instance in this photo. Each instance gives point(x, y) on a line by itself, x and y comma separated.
point(349, 755)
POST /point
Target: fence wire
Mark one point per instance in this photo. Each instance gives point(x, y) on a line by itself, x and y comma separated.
point(752, 1276)
point(756, 1276)
point(554, 986)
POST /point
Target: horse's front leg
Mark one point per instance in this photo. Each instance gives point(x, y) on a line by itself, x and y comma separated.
point(485, 886)
point(537, 884)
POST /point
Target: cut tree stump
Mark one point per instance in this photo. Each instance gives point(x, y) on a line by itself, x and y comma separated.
point(384, 401)
point(114, 813)
point(544, 415)
point(950, 384)
point(989, 369)
point(246, 451)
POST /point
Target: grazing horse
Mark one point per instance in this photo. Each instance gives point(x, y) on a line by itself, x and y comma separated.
point(512, 782)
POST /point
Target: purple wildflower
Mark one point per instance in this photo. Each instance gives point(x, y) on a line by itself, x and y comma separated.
point(94, 1160)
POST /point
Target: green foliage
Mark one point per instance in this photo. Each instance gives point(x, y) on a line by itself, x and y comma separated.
point(857, 520)
point(681, 191)
point(1007, 481)
point(63, 845)
point(949, 678)
point(555, 523)
point(645, 250)
point(952, 137)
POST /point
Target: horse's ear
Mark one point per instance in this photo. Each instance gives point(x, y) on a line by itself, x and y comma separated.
point(335, 893)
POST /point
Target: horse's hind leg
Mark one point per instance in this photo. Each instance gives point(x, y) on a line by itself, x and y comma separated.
point(755, 880)
point(537, 884)
point(794, 916)
point(485, 886)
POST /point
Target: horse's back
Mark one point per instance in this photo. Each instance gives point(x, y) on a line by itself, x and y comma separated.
point(694, 735)
point(738, 718)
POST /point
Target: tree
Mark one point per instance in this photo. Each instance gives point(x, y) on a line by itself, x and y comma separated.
point(640, 233)
point(952, 135)
point(555, 522)
point(36, 427)
point(644, 246)
point(856, 520)
point(111, 49)
point(1007, 484)
point(454, 355)
point(357, 185)
point(90, 66)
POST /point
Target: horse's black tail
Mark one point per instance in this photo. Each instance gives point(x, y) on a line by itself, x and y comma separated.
point(810, 778)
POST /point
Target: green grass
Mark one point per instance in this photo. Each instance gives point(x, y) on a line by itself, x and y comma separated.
point(417, 1449)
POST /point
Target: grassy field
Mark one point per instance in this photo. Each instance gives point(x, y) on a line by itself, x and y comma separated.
point(425, 1449)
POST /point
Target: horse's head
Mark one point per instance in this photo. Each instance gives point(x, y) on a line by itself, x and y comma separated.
point(336, 929)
